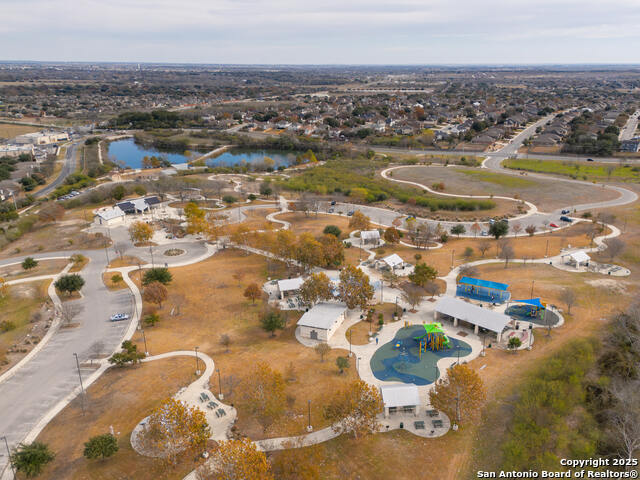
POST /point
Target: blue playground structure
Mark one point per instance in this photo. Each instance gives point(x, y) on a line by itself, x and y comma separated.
point(482, 290)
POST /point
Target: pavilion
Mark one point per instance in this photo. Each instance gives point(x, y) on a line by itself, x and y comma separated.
point(483, 290)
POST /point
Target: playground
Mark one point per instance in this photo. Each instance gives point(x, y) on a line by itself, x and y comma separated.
point(534, 311)
point(413, 354)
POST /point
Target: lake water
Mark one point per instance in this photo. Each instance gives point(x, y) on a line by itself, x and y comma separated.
point(131, 154)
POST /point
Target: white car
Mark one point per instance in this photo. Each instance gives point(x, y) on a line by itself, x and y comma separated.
point(118, 317)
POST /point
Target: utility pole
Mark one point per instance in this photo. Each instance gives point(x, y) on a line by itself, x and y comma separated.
point(144, 338)
point(546, 252)
point(309, 427)
point(220, 396)
point(532, 284)
point(81, 385)
point(197, 362)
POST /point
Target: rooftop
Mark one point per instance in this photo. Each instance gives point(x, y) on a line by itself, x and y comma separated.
point(473, 314)
point(400, 395)
point(322, 315)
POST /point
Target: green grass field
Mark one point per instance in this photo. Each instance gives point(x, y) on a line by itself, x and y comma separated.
point(593, 171)
point(497, 178)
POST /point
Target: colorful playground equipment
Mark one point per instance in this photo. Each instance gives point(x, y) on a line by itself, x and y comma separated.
point(433, 339)
point(527, 309)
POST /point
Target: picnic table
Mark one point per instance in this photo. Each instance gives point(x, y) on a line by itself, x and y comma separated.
point(437, 423)
point(418, 425)
point(432, 413)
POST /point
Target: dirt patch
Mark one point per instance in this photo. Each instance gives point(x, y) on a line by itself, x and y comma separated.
point(45, 267)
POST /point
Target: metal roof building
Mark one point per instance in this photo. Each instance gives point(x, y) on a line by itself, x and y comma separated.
point(479, 317)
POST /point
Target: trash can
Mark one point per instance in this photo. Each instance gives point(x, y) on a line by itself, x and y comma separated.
point(401, 424)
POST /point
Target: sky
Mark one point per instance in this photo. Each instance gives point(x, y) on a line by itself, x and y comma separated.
point(423, 32)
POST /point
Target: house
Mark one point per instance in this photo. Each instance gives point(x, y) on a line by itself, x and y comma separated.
point(370, 237)
point(632, 145)
point(400, 397)
point(458, 311)
point(109, 216)
point(321, 321)
point(289, 287)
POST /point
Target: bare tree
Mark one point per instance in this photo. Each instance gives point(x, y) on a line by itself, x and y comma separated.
point(69, 311)
point(120, 248)
point(615, 246)
point(97, 349)
point(468, 271)
point(432, 288)
point(177, 299)
point(506, 252)
point(413, 297)
point(483, 246)
point(625, 417)
point(568, 296)
point(225, 340)
point(516, 227)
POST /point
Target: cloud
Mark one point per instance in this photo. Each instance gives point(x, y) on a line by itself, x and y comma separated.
point(323, 31)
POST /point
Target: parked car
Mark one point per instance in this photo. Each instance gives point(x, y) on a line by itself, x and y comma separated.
point(553, 225)
point(565, 211)
point(333, 202)
point(350, 213)
point(118, 317)
point(564, 218)
point(484, 233)
point(331, 210)
point(589, 159)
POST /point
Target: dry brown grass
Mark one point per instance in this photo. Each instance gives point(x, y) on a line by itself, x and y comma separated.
point(125, 261)
point(524, 247)
point(256, 219)
point(360, 331)
point(106, 279)
point(8, 130)
point(314, 224)
point(45, 267)
point(120, 398)
point(215, 305)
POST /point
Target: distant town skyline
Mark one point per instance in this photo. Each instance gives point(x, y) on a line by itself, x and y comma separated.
point(373, 32)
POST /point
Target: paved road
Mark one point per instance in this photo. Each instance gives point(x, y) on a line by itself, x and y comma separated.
point(67, 169)
point(51, 375)
point(629, 130)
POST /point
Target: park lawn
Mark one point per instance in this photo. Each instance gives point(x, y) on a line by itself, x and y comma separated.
point(360, 331)
point(120, 398)
point(210, 295)
point(501, 179)
point(20, 303)
point(315, 224)
point(256, 219)
point(8, 130)
point(45, 267)
point(106, 279)
point(524, 247)
point(125, 261)
point(591, 171)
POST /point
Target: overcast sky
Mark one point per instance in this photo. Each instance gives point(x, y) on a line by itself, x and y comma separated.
point(322, 31)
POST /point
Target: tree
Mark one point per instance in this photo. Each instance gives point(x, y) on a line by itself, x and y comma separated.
point(432, 288)
point(322, 349)
point(390, 277)
point(31, 458)
point(568, 296)
point(332, 250)
point(175, 426)
point(423, 273)
point(315, 288)
point(460, 394)
point(69, 283)
point(615, 246)
point(101, 446)
point(458, 230)
point(468, 253)
point(271, 320)
point(156, 293)
point(51, 212)
point(355, 289)
point(413, 296)
point(297, 463)
point(158, 274)
point(391, 235)
point(359, 221)
point(116, 278)
point(129, 354)
point(498, 229)
point(354, 409)
point(225, 340)
point(530, 229)
point(118, 192)
point(29, 263)
point(308, 251)
point(332, 230)
point(140, 232)
point(475, 229)
point(151, 319)
point(506, 252)
point(514, 343)
point(236, 460)
point(342, 363)
point(483, 246)
point(196, 219)
point(69, 310)
point(252, 292)
point(262, 394)
point(516, 227)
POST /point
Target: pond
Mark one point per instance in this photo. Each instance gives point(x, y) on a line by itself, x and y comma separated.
point(132, 154)
point(400, 360)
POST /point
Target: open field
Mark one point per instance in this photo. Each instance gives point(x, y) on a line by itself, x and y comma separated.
point(119, 399)
point(256, 219)
point(212, 304)
point(545, 194)
point(591, 171)
point(315, 224)
point(17, 310)
point(8, 130)
point(524, 247)
point(360, 331)
point(45, 267)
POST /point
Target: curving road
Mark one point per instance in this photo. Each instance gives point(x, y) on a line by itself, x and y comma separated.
point(68, 168)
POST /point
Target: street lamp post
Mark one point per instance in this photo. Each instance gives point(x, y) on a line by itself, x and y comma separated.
point(350, 333)
point(151, 252)
point(144, 338)
point(6, 444)
point(220, 396)
point(81, 385)
point(532, 284)
point(197, 362)
point(309, 427)
point(453, 252)
point(530, 334)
